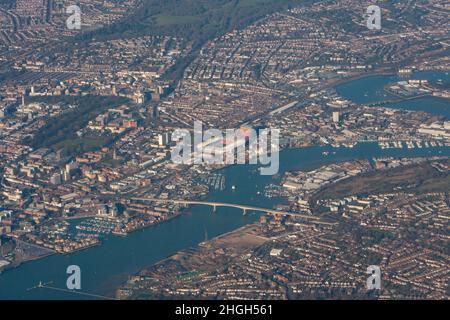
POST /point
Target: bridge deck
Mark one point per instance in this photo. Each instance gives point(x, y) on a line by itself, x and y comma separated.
point(230, 205)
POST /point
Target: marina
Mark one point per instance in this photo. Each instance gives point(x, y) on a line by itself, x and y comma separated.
point(215, 181)
point(106, 266)
point(412, 144)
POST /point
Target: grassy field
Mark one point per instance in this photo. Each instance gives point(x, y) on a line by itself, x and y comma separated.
point(418, 178)
point(7, 3)
point(195, 20)
point(251, 3)
point(434, 185)
point(61, 131)
point(85, 144)
point(163, 20)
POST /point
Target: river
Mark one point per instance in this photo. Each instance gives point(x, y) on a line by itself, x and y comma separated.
point(104, 267)
point(371, 89)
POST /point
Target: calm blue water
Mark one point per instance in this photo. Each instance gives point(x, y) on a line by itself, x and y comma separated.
point(371, 89)
point(108, 264)
point(433, 105)
point(105, 266)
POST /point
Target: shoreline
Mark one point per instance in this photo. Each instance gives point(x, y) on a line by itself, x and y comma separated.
point(195, 248)
point(333, 85)
point(184, 210)
point(15, 265)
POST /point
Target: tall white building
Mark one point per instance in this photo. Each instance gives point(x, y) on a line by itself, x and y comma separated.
point(164, 139)
point(336, 116)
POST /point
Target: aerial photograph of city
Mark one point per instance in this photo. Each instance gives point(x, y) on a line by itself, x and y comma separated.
point(224, 150)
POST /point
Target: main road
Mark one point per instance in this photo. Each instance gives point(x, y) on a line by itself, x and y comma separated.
point(238, 206)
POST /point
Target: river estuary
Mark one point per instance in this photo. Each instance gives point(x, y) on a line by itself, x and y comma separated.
point(104, 267)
